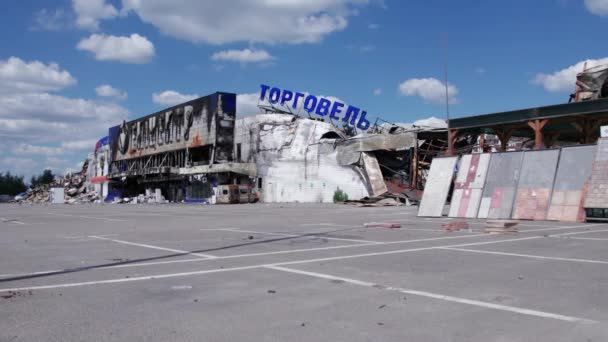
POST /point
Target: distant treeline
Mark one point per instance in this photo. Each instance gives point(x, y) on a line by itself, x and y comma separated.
point(13, 184)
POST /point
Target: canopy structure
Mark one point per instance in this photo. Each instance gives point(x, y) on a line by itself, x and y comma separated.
point(576, 122)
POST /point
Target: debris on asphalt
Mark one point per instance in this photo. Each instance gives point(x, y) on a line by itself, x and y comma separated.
point(13, 294)
point(382, 306)
point(272, 291)
point(501, 226)
point(382, 225)
point(454, 226)
point(250, 237)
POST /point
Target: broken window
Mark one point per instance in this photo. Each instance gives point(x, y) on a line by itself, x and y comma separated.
point(201, 155)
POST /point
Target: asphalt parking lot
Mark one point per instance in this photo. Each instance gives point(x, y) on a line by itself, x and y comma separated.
point(293, 272)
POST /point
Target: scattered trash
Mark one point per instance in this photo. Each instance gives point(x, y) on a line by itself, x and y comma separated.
point(13, 294)
point(272, 291)
point(386, 200)
point(501, 226)
point(382, 306)
point(454, 226)
point(382, 225)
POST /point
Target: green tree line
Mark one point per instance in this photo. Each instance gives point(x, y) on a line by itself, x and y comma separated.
point(13, 184)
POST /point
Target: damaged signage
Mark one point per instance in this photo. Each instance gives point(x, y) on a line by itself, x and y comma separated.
point(321, 106)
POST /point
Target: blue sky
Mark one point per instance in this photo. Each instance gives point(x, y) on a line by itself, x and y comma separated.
point(70, 69)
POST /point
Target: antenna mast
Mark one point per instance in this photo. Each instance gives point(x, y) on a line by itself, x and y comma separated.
point(445, 70)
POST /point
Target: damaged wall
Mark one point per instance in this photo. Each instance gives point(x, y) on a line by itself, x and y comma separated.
point(206, 121)
point(297, 159)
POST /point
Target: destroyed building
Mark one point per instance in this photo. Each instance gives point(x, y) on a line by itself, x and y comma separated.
point(201, 151)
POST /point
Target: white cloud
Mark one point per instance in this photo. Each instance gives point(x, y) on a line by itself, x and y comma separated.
point(52, 108)
point(172, 97)
point(480, 70)
point(34, 122)
point(20, 166)
point(106, 90)
point(28, 149)
point(50, 20)
point(377, 92)
point(373, 26)
point(430, 122)
point(430, 89)
point(17, 75)
point(598, 7)
point(270, 21)
point(565, 79)
point(134, 49)
point(90, 12)
point(87, 144)
point(242, 56)
point(247, 104)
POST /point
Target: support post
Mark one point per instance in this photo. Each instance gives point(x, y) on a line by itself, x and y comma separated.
point(504, 135)
point(588, 128)
point(537, 126)
point(452, 135)
point(414, 165)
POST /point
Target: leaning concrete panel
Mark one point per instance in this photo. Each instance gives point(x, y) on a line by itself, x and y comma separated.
point(374, 174)
point(573, 171)
point(469, 182)
point(597, 190)
point(501, 182)
point(535, 184)
point(437, 186)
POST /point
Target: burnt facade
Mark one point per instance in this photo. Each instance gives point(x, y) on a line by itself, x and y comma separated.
point(155, 147)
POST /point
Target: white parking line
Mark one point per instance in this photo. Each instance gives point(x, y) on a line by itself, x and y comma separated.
point(525, 255)
point(11, 221)
point(446, 298)
point(400, 251)
point(90, 217)
point(582, 238)
point(317, 235)
point(87, 236)
point(125, 280)
point(27, 274)
point(154, 247)
point(578, 233)
point(255, 266)
point(558, 228)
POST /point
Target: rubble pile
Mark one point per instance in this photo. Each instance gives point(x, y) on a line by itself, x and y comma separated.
point(73, 185)
point(141, 199)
